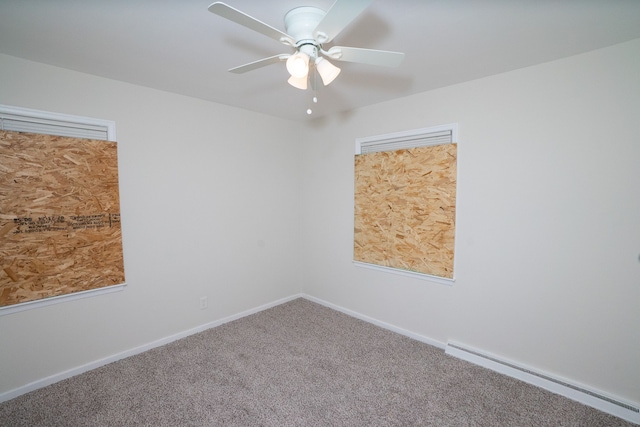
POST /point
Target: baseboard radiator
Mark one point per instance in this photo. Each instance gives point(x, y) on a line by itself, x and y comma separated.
point(581, 394)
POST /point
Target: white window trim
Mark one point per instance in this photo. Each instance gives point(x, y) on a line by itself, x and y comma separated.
point(23, 306)
point(406, 273)
point(409, 136)
point(409, 139)
point(38, 117)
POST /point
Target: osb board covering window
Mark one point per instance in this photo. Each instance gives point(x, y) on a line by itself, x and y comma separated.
point(405, 204)
point(59, 216)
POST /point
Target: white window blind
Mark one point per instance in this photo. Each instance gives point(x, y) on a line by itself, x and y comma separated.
point(445, 134)
point(35, 121)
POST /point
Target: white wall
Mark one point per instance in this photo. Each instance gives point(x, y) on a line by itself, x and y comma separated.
point(548, 218)
point(209, 204)
point(221, 202)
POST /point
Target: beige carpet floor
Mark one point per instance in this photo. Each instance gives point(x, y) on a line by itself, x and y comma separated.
point(297, 364)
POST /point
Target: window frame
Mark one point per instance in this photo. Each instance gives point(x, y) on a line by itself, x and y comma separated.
point(422, 137)
point(69, 125)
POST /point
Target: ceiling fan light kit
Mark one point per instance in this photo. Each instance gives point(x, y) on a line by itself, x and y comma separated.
point(298, 82)
point(328, 72)
point(298, 64)
point(306, 30)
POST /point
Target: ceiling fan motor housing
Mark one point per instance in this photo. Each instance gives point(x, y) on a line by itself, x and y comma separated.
point(301, 22)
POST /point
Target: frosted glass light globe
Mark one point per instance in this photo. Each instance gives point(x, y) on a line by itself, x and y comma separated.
point(298, 65)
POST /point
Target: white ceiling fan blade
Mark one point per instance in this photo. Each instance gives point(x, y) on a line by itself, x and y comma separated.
point(250, 22)
point(259, 64)
point(341, 13)
point(383, 58)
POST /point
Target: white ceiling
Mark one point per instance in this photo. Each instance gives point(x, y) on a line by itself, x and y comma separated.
point(178, 46)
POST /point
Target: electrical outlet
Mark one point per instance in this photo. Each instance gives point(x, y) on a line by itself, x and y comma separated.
point(204, 303)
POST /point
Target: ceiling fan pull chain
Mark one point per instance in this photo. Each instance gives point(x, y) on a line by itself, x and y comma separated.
point(314, 98)
point(310, 110)
point(315, 87)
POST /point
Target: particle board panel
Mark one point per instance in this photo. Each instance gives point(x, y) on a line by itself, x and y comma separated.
point(60, 230)
point(405, 204)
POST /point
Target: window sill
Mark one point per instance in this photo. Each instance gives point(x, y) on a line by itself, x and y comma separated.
point(15, 308)
point(407, 273)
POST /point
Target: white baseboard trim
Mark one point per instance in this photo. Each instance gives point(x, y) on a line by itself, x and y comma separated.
point(11, 394)
point(377, 322)
point(571, 390)
point(596, 399)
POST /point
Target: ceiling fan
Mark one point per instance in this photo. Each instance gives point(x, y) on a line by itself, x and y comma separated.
point(307, 29)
